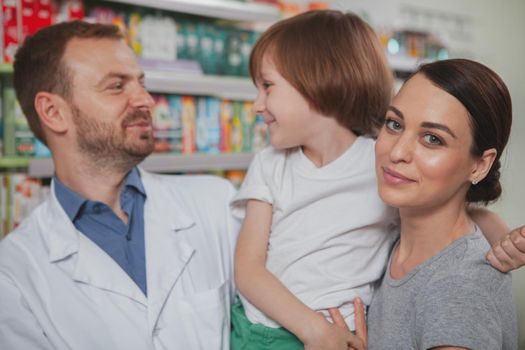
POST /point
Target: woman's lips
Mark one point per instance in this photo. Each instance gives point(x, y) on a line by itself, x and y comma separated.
point(395, 178)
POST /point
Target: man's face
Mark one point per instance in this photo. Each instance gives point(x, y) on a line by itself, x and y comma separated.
point(111, 110)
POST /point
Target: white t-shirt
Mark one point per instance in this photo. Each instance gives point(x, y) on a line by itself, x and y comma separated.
point(330, 234)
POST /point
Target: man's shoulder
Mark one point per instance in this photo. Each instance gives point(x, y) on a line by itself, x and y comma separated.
point(189, 188)
point(25, 242)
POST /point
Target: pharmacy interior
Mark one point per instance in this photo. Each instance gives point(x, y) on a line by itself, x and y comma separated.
point(196, 54)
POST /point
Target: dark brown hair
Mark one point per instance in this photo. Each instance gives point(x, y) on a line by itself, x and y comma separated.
point(487, 100)
point(336, 63)
point(39, 66)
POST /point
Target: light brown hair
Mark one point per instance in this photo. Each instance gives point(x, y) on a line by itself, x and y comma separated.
point(336, 63)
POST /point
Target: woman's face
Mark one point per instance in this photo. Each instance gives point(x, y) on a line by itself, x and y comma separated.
point(422, 152)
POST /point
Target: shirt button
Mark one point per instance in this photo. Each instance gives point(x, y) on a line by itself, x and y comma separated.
point(97, 208)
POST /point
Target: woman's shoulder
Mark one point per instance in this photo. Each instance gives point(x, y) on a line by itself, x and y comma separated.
point(466, 266)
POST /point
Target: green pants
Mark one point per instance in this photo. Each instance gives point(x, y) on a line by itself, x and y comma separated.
point(248, 336)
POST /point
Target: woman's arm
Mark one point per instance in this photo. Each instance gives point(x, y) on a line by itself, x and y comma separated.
point(268, 294)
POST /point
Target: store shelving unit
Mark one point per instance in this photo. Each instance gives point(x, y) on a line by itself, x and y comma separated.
point(227, 87)
point(401, 63)
point(160, 81)
point(164, 163)
point(223, 9)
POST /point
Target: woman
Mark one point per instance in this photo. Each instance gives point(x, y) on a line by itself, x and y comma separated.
point(438, 151)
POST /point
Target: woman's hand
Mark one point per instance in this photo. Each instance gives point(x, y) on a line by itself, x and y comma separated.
point(509, 253)
point(337, 335)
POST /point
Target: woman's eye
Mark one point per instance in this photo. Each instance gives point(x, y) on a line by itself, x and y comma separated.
point(432, 139)
point(266, 85)
point(392, 124)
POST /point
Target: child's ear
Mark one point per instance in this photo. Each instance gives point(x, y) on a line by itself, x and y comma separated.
point(482, 165)
point(52, 109)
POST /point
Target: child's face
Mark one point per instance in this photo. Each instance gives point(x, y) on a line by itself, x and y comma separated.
point(291, 122)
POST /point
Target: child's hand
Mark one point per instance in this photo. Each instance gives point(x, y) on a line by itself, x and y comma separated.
point(361, 331)
point(509, 253)
point(337, 335)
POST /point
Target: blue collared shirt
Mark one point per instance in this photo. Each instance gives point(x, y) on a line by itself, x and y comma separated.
point(123, 242)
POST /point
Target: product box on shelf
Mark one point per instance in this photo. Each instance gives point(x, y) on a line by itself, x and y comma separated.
point(236, 129)
point(188, 115)
point(226, 113)
point(11, 29)
point(208, 125)
point(19, 195)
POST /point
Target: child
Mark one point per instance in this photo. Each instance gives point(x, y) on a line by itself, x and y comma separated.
point(316, 233)
point(314, 190)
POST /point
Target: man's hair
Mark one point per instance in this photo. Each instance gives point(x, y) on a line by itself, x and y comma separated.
point(39, 64)
point(335, 61)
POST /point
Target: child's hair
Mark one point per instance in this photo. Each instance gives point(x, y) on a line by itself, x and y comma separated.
point(336, 63)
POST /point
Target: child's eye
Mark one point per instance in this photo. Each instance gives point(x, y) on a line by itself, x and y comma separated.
point(432, 139)
point(392, 124)
point(266, 85)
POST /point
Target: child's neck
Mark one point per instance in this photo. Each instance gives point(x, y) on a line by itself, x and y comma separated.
point(329, 144)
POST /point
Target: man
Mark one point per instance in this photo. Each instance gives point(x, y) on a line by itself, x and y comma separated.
point(116, 258)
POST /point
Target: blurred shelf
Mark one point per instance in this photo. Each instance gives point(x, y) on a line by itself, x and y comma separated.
point(224, 9)
point(13, 162)
point(6, 68)
point(166, 163)
point(400, 63)
point(228, 87)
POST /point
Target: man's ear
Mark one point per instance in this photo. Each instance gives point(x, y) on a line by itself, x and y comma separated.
point(483, 165)
point(52, 109)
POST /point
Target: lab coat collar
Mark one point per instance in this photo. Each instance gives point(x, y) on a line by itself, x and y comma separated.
point(167, 253)
point(93, 266)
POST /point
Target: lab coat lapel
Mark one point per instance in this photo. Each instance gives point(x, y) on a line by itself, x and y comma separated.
point(167, 254)
point(91, 264)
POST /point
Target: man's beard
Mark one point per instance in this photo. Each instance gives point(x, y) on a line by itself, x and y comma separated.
point(107, 145)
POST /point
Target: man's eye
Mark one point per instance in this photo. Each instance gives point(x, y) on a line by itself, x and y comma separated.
point(116, 86)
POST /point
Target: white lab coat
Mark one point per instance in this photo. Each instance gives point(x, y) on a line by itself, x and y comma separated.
point(59, 290)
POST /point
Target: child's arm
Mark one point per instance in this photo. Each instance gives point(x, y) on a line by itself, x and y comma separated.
point(509, 253)
point(508, 249)
point(268, 294)
point(490, 223)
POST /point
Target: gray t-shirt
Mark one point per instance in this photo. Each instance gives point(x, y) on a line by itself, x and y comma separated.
point(455, 298)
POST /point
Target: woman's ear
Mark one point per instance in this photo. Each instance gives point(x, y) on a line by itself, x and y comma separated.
point(51, 109)
point(482, 166)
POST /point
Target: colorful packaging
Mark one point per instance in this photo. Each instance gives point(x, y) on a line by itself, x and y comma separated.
point(234, 57)
point(236, 128)
point(11, 29)
point(236, 177)
point(247, 123)
point(188, 116)
point(201, 131)
point(214, 124)
point(226, 114)
point(134, 33)
point(260, 134)
point(175, 103)
point(161, 124)
point(207, 56)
